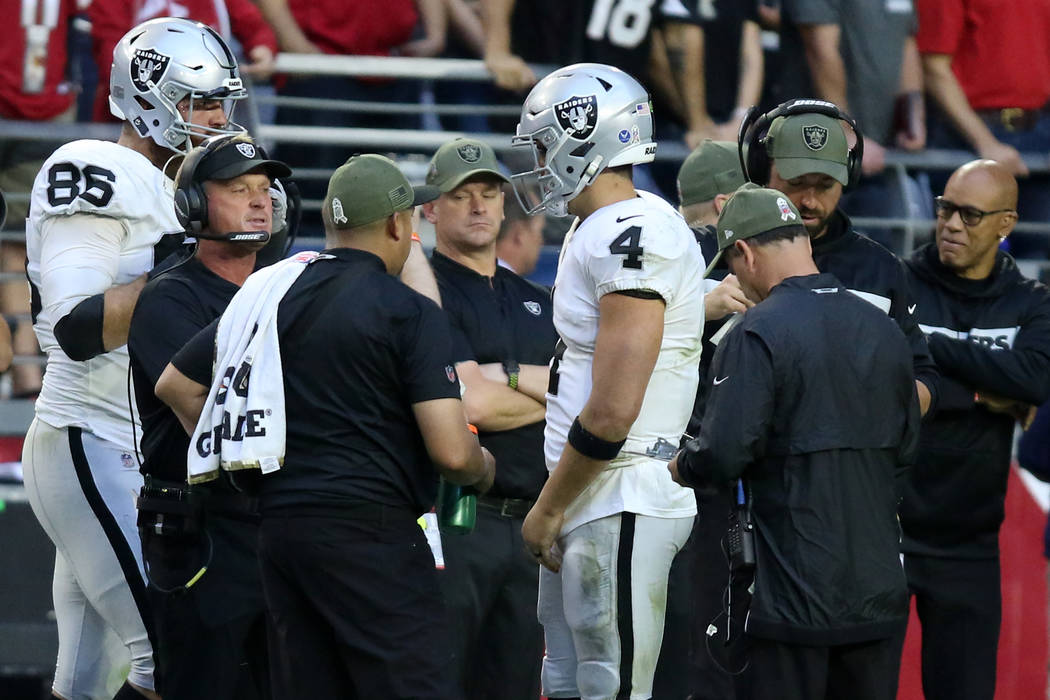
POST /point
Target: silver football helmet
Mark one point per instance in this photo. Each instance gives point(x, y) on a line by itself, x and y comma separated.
point(580, 120)
point(158, 64)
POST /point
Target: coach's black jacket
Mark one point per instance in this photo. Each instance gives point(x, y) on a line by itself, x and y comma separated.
point(876, 274)
point(990, 336)
point(812, 400)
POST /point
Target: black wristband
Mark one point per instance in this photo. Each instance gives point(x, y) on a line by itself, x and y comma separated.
point(590, 445)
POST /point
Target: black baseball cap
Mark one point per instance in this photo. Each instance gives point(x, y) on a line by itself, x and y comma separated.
point(235, 157)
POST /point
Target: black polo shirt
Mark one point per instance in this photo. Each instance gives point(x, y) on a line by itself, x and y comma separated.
point(171, 309)
point(350, 379)
point(496, 319)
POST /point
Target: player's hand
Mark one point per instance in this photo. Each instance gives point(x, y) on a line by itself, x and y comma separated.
point(494, 372)
point(1005, 155)
point(540, 532)
point(672, 467)
point(874, 158)
point(485, 483)
point(510, 72)
point(727, 298)
point(1023, 412)
point(262, 63)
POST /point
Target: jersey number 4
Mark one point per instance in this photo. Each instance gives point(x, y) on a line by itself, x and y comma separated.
point(63, 184)
point(629, 243)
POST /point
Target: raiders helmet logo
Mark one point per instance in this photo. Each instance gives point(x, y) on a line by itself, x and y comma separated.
point(816, 137)
point(147, 68)
point(578, 116)
point(469, 153)
point(785, 210)
point(247, 150)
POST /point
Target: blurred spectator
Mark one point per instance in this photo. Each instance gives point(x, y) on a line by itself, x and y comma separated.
point(33, 86)
point(466, 39)
point(364, 28)
point(992, 93)
point(6, 352)
point(520, 237)
point(232, 19)
point(873, 75)
point(722, 40)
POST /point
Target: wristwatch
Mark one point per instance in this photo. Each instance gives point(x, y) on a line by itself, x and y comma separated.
point(512, 369)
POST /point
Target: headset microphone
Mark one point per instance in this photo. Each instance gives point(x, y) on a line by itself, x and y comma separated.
point(237, 236)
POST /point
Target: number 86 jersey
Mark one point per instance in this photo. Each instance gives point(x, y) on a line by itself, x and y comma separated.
point(97, 209)
point(636, 245)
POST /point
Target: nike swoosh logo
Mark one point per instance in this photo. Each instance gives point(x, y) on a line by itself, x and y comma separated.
point(719, 381)
point(911, 309)
point(621, 219)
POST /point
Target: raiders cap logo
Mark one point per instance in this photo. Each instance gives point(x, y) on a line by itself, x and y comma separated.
point(816, 137)
point(578, 115)
point(247, 150)
point(147, 67)
point(469, 153)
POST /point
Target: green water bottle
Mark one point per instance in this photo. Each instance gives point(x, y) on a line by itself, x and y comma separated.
point(457, 508)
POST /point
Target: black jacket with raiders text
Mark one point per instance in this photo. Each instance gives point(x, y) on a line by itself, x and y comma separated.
point(990, 336)
point(812, 401)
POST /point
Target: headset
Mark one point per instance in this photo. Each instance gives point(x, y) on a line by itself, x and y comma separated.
point(753, 149)
point(191, 202)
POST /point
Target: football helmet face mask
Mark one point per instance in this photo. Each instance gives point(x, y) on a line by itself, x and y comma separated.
point(163, 61)
point(578, 121)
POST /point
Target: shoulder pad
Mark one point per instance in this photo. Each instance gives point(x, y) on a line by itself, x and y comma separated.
point(98, 177)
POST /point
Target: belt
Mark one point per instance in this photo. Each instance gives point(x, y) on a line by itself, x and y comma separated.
point(1013, 118)
point(507, 507)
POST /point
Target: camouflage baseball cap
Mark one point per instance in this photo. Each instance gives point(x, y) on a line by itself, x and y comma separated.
point(712, 169)
point(460, 159)
point(753, 210)
point(808, 143)
point(368, 188)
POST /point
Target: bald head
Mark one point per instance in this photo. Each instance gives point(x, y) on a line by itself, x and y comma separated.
point(990, 177)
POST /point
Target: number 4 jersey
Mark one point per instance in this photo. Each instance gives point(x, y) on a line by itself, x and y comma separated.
point(636, 245)
point(120, 204)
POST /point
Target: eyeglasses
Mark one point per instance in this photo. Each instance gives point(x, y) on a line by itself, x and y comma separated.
point(971, 216)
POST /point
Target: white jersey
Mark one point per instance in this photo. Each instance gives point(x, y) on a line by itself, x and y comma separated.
point(636, 244)
point(124, 205)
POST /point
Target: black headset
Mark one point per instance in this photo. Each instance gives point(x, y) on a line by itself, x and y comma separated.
point(753, 143)
point(191, 204)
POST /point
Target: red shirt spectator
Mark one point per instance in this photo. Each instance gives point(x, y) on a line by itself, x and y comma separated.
point(1000, 51)
point(111, 19)
point(357, 28)
point(33, 59)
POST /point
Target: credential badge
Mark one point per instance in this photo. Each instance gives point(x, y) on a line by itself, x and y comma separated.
point(578, 115)
point(815, 136)
point(147, 67)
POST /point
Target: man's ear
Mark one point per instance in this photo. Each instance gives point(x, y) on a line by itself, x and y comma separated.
point(1006, 224)
point(428, 212)
point(720, 201)
point(747, 253)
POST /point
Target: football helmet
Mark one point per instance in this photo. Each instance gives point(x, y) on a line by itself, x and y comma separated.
point(158, 64)
point(580, 120)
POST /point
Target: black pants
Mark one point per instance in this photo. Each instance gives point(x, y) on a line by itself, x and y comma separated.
point(780, 671)
point(354, 606)
point(960, 608)
point(211, 637)
point(490, 587)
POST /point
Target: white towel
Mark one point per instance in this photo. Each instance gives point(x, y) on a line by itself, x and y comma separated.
point(242, 425)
